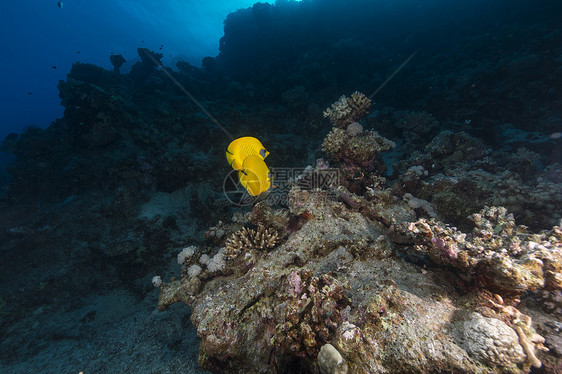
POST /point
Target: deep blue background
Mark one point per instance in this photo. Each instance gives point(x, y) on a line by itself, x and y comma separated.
point(37, 35)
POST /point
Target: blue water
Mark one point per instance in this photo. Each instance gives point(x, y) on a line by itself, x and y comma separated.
point(38, 35)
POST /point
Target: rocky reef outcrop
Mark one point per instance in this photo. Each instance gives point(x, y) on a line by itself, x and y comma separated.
point(363, 281)
point(347, 278)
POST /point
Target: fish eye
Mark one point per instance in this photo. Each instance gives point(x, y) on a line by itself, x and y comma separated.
point(263, 153)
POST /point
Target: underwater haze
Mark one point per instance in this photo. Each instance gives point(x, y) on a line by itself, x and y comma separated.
point(42, 40)
point(316, 186)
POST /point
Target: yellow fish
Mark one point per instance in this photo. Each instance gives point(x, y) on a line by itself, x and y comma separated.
point(254, 175)
point(241, 148)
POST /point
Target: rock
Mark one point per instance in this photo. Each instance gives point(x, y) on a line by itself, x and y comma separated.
point(337, 295)
point(330, 361)
point(491, 340)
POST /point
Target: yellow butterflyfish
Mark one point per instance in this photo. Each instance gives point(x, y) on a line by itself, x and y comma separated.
point(238, 150)
point(254, 175)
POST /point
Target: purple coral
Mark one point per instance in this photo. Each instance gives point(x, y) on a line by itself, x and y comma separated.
point(295, 282)
point(448, 251)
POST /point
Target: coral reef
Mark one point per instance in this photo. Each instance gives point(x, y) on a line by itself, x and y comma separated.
point(347, 110)
point(504, 256)
point(357, 152)
point(334, 141)
point(117, 61)
point(149, 58)
point(186, 254)
point(347, 141)
point(330, 361)
point(249, 240)
point(339, 296)
point(459, 175)
point(354, 129)
point(491, 341)
point(310, 312)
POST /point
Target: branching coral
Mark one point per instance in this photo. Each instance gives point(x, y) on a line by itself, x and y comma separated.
point(334, 141)
point(348, 109)
point(359, 150)
point(363, 149)
point(250, 239)
point(355, 150)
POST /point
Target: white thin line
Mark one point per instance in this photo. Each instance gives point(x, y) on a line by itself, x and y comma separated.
point(188, 94)
point(393, 74)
